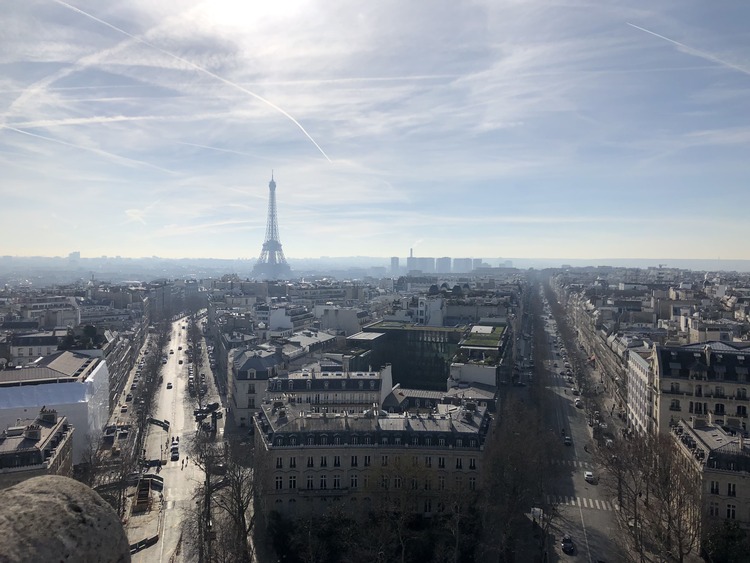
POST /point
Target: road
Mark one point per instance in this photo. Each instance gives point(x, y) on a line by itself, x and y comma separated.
point(182, 476)
point(586, 513)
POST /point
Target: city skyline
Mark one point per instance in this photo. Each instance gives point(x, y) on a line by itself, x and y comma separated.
point(539, 130)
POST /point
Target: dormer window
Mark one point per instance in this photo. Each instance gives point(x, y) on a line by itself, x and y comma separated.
point(325, 385)
point(309, 384)
point(291, 384)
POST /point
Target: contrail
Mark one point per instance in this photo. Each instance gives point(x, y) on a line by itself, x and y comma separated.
point(90, 149)
point(198, 68)
point(692, 51)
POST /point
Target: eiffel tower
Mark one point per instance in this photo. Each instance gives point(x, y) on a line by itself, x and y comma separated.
point(272, 265)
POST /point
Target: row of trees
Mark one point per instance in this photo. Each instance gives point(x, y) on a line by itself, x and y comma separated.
point(659, 493)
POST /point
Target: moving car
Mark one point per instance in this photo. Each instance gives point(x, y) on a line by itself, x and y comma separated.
point(567, 544)
point(169, 385)
point(568, 441)
point(589, 476)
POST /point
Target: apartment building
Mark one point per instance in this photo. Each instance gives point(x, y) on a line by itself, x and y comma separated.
point(707, 381)
point(721, 460)
point(332, 391)
point(75, 384)
point(34, 447)
point(248, 375)
point(305, 461)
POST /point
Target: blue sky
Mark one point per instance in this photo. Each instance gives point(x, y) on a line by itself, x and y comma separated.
point(538, 129)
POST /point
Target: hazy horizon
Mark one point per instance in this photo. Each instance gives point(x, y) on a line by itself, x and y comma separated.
point(565, 130)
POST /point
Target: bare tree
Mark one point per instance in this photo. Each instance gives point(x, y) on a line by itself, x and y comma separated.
point(234, 495)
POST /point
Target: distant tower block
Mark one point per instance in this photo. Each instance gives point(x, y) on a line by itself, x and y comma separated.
point(272, 265)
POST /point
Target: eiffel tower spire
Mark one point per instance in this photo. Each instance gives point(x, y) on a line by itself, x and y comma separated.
point(272, 264)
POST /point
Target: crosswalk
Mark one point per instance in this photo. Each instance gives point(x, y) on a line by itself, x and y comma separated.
point(572, 463)
point(594, 504)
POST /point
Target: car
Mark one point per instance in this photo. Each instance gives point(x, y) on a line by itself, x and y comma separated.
point(124, 408)
point(568, 441)
point(133, 386)
point(588, 476)
point(212, 406)
point(171, 351)
point(175, 455)
point(180, 362)
point(129, 397)
point(175, 439)
point(179, 347)
point(567, 544)
point(579, 404)
point(556, 364)
point(169, 385)
point(575, 391)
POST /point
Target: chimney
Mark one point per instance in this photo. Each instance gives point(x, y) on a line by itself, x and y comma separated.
point(708, 355)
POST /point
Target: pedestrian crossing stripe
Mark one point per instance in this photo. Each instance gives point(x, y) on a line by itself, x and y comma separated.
point(594, 504)
point(572, 463)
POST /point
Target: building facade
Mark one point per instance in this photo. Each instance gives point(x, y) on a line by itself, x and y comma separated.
point(306, 461)
point(35, 447)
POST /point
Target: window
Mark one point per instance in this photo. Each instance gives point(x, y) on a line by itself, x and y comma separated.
point(292, 482)
point(674, 388)
point(324, 481)
point(337, 461)
point(336, 481)
point(310, 462)
point(428, 461)
point(397, 440)
point(337, 440)
point(441, 462)
point(414, 441)
point(309, 481)
point(384, 440)
point(397, 482)
point(731, 511)
point(719, 391)
point(714, 487)
point(323, 461)
point(367, 440)
point(415, 460)
point(742, 393)
point(459, 463)
point(251, 389)
point(472, 463)
point(459, 443)
point(428, 441)
point(473, 443)
point(441, 442)
point(279, 483)
point(251, 402)
point(674, 405)
point(384, 460)
point(428, 505)
point(355, 440)
point(293, 440)
point(354, 461)
point(367, 461)
point(719, 408)
point(742, 411)
point(713, 509)
point(383, 482)
point(472, 483)
point(428, 484)
point(324, 440)
point(310, 440)
point(353, 481)
point(414, 484)
point(279, 463)
point(441, 483)
point(292, 462)
point(731, 490)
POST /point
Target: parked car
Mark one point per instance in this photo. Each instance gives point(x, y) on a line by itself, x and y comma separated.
point(589, 477)
point(175, 455)
point(124, 408)
point(129, 397)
